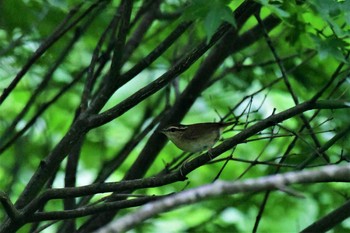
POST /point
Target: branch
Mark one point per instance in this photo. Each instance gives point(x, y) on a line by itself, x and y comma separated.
point(100, 99)
point(154, 54)
point(53, 38)
point(10, 209)
point(70, 180)
point(92, 76)
point(330, 220)
point(148, 16)
point(331, 80)
point(47, 77)
point(42, 108)
point(49, 165)
point(278, 59)
point(109, 166)
point(156, 85)
point(219, 188)
point(89, 210)
point(120, 26)
point(288, 84)
point(326, 146)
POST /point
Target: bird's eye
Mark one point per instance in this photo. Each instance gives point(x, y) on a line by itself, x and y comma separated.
point(172, 130)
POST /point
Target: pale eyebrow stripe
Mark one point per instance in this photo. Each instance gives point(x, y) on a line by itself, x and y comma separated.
point(177, 128)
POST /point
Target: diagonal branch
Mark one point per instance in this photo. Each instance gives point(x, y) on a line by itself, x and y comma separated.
point(345, 131)
point(90, 210)
point(10, 209)
point(330, 220)
point(219, 188)
point(55, 36)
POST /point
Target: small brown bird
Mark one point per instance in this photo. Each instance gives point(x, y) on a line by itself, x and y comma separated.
point(196, 137)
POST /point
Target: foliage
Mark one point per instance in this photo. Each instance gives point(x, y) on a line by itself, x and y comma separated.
point(86, 87)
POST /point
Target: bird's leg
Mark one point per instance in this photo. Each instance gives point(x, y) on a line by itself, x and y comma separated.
point(183, 165)
point(190, 158)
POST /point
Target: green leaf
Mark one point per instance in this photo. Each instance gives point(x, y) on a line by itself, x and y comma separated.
point(16, 14)
point(330, 47)
point(198, 9)
point(227, 16)
point(212, 22)
point(213, 14)
point(215, 17)
point(275, 7)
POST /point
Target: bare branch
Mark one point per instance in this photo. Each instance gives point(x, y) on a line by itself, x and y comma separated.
point(10, 209)
point(325, 147)
point(219, 188)
point(53, 38)
point(331, 220)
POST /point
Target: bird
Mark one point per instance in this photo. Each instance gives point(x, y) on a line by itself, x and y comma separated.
point(195, 137)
